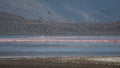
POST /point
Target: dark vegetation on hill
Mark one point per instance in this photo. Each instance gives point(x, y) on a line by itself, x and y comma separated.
point(17, 25)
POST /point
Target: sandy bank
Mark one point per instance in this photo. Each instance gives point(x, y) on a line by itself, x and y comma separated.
point(60, 62)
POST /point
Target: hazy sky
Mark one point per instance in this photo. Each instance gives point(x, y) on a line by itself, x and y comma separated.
point(64, 10)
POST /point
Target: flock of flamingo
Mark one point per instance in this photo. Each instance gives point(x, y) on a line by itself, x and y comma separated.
point(59, 39)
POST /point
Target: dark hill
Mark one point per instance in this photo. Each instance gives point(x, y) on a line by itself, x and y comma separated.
point(17, 25)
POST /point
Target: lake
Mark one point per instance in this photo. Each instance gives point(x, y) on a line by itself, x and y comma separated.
point(48, 49)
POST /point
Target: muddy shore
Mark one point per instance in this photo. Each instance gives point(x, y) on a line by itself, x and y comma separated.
point(60, 62)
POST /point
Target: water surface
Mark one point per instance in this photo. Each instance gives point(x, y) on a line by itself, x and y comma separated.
point(59, 48)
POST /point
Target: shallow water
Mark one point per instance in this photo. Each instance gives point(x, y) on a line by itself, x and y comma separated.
point(59, 48)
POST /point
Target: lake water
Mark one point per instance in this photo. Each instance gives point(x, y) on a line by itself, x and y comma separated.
point(45, 49)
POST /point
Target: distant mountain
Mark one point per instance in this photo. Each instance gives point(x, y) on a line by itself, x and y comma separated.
point(64, 10)
point(17, 25)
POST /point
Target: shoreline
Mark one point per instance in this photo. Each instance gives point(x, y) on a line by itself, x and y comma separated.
point(61, 62)
point(95, 58)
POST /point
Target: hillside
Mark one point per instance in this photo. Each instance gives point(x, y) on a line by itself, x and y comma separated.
point(13, 24)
